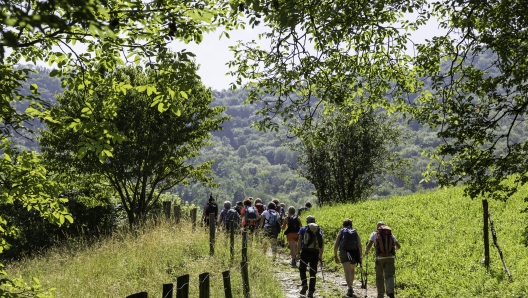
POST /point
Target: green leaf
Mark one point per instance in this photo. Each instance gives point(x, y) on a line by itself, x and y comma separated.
point(33, 88)
point(7, 157)
point(150, 90)
point(184, 95)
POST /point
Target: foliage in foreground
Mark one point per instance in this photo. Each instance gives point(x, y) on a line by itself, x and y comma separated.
point(126, 264)
point(442, 248)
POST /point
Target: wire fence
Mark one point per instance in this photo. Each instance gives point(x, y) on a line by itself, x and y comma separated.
point(232, 235)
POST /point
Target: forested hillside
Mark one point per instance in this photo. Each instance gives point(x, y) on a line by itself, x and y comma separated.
point(249, 162)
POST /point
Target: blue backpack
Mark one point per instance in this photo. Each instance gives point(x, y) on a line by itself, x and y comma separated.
point(231, 215)
point(349, 239)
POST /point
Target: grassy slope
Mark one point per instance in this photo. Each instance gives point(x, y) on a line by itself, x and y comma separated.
point(442, 247)
point(125, 264)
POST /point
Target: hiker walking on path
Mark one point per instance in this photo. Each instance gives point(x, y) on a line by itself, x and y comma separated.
point(386, 245)
point(310, 246)
point(306, 207)
point(293, 224)
point(249, 216)
point(270, 222)
point(209, 208)
point(260, 208)
point(227, 215)
point(349, 245)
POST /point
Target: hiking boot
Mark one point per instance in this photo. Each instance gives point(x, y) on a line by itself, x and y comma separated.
point(310, 294)
point(350, 292)
point(391, 295)
point(293, 264)
point(303, 290)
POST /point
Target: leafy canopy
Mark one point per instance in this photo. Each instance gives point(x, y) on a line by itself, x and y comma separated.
point(469, 81)
point(154, 147)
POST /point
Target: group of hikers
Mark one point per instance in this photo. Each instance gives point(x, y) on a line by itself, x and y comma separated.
point(306, 243)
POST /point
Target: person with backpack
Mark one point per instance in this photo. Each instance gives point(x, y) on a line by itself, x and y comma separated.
point(209, 208)
point(306, 207)
point(260, 208)
point(292, 224)
point(227, 215)
point(249, 216)
point(238, 207)
point(385, 244)
point(310, 246)
point(270, 223)
point(348, 243)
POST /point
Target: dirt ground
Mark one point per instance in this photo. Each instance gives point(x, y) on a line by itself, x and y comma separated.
point(333, 285)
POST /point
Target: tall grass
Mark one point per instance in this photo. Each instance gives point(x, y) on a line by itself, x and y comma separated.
point(441, 234)
point(127, 263)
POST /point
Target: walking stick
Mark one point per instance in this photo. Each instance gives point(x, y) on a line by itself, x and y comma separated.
point(322, 274)
point(363, 284)
point(366, 276)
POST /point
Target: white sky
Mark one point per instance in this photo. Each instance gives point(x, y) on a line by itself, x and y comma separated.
point(213, 54)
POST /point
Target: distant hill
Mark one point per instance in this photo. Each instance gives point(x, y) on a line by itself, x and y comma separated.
point(253, 163)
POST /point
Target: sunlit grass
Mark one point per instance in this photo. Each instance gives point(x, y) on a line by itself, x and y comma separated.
point(128, 263)
point(442, 247)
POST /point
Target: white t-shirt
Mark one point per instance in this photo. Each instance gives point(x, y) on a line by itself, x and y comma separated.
point(373, 239)
point(266, 214)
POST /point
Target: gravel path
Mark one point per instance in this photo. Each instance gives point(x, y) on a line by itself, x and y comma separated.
point(334, 284)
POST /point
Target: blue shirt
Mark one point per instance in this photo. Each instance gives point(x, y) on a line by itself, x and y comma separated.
point(301, 234)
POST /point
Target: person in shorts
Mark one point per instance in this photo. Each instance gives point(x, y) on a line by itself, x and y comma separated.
point(348, 257)
point(291, 225)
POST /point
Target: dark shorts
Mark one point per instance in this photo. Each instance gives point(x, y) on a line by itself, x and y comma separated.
point(250, 228)
point(351, 256)
point(271, 232)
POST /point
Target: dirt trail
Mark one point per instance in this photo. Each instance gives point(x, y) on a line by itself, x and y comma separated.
point(334, 284)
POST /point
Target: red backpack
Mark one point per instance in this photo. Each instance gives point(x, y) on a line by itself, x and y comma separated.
point(384, 242)
point(259, 207)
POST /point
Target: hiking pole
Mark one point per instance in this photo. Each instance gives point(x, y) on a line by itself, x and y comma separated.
point(366, 275)
point(363, 286)
point(322, 274)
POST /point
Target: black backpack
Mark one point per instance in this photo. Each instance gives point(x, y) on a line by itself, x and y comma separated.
point(250, 214)
point(294, 225)
point(349, 239)
point(212, 208)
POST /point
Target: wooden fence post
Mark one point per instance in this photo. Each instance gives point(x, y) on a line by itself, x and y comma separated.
point(177, 213)
point(232, 239)
point(486, 234)
point(193, 218)
point(167, 209)
point(227, 284)
point(212, 227)
point(244, 246)
point(245, 278)
point(138, 295)
point(204, 285)
point(167, 290)
point(182, 286)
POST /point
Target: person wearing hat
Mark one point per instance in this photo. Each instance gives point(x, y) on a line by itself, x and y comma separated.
point(385, 257)
point(310, 246)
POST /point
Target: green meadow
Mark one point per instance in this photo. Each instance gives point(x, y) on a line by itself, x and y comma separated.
point(441, 234)
point(128, 263)
point(441, 256)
